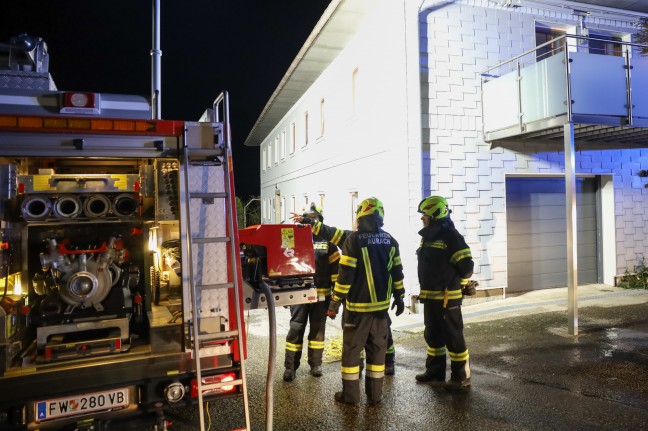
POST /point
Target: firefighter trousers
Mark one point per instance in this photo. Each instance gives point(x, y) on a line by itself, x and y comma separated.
point(444, 334)
point(390, 356)
point(315, 314)
point(368, 331)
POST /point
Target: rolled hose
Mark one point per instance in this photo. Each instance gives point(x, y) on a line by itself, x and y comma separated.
point(67, 207)
point(125, 205)
point(36, 207)
point(272, 354)
point(96, 206)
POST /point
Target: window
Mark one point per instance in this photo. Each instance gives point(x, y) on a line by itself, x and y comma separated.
point(305, 128)
point(293, 138)
point(264, 158)
point(547, 34)
point(354, 83)
point(321, 200)
point(293, 205)
point(283, 144)
point(354, 206)
point(269, 156)
point(321, 117)
point(277, 207)
point(305, 202)
point(605, 44)
point(276, 150)
point(263, 210)
point(286, 215)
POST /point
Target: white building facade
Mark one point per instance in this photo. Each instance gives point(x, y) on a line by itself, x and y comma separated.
point(385, 100)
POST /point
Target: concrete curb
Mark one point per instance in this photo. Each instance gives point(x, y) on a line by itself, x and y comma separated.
point(533, 302)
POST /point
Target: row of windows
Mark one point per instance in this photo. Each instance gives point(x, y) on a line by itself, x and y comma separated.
point(288, 140)
point(277, 210)
point(280, 208)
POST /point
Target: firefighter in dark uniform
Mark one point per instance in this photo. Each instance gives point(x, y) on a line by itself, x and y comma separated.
point(370, 273)
point(338, 236)
point(327, 258)
point(444, 266)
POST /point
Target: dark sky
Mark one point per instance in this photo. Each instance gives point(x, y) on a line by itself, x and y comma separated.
point(242, 46)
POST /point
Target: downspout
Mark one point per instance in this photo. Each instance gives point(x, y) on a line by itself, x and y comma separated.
point(156, 65)
point(425, 6)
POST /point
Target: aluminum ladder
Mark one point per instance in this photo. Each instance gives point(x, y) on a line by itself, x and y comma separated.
point(207, 182)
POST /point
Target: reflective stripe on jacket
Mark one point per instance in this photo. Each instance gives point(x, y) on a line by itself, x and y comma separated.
point(444, 259)
point(327, 258)
point(370, 272)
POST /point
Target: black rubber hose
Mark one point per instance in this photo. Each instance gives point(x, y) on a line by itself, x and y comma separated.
point(272, 353)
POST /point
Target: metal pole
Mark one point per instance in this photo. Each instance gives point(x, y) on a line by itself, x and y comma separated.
point(156, 65)
point(245, 211)
point(628, 66)
point(570, 199)
point(572, 252)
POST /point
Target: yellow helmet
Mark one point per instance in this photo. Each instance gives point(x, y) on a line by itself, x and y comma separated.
point(435, 207)
point(370, 206)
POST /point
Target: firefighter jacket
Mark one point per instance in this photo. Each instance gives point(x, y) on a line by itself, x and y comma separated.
point(330, 233)
point(370, 270)
point(444, 260)
point(327, 259)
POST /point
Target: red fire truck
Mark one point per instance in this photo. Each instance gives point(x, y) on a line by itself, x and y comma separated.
point(121, 288)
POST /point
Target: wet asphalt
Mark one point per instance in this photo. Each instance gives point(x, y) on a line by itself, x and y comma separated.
point(528, 373)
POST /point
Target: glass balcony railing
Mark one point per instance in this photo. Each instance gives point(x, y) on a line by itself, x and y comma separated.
point(530, 92)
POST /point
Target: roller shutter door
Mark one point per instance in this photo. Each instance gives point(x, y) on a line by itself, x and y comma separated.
point(536, 232)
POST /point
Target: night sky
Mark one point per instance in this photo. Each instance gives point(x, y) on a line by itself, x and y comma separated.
point(242, 46)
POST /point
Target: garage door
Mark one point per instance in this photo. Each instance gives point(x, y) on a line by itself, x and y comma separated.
point(537, 238)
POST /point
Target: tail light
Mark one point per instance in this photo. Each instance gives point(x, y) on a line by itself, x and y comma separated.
point(210, 380)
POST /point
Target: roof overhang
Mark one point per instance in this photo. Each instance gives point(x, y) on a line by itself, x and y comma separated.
point(329, 37)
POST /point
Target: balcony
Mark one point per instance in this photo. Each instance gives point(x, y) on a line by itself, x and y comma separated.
point(526, 97)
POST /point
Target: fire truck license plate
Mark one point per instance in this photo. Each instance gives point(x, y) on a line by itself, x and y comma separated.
point(81, 404)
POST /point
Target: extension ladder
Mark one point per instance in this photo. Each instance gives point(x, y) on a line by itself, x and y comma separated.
point(213, 319)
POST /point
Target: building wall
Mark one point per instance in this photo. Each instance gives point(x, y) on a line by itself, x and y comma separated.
point(459, 40)
point(371, 142)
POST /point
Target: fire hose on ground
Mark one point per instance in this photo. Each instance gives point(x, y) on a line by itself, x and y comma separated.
point(272, 353)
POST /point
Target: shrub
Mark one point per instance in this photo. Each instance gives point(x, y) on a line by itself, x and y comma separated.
point(636, 279)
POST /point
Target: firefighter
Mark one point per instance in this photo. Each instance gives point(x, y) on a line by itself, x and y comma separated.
point(370, 272)
point(444, 265)
point(327, 259)
point(337, 237)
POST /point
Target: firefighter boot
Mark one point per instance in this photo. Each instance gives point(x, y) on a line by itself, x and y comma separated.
point(390, 369)
point(316, 371)
point(350, 393)
point(430, 376)
point(435, 369)
point(389, 365)
point(373, 389)
point(458, 385)
point(289, 375)
point(460, 376)
point(291, 364)
point(390, 357)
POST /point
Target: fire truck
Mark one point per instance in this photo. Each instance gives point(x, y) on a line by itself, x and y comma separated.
point(123, 280)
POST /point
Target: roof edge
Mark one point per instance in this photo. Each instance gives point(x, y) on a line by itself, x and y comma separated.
point(321, 23)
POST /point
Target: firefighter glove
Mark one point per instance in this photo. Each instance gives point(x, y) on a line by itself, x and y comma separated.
point(333, 308)
point(468, 289)
point(400, 306)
